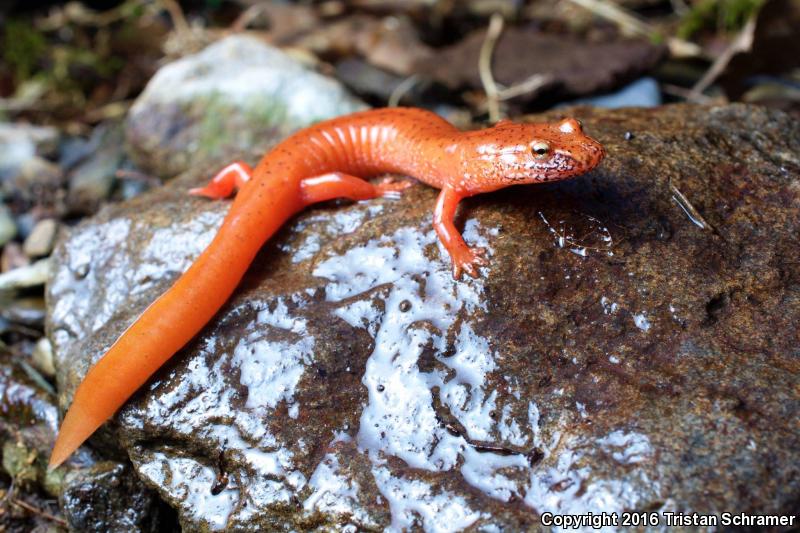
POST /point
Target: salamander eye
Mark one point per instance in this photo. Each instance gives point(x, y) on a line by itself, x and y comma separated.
point(540, 148)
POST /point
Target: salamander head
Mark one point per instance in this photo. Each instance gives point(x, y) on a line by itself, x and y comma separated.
point(511, 153)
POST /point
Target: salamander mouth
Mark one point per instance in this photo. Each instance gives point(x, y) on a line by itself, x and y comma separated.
point(561, 165)
point(565, 165)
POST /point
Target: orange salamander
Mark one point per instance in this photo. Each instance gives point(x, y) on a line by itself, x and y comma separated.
point(313, 165)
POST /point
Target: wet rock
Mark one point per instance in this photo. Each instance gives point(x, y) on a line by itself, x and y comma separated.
point(28, 421)
point(8, 228)
point(20, 142)
point(95, 496)
point(232, 100)
point(40, 241)
point(91, 182)
point(633, 344)
point(108, 497)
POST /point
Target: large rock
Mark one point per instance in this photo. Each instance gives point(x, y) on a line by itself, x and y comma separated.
point(237, 96)
point(633, 345)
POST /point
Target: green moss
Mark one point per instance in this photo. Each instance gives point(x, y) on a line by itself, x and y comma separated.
point(19, 463)
point(23, 48)
point(223, 124)
point(721, 15)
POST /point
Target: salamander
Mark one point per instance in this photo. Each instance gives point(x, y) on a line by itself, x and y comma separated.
point(325, 161)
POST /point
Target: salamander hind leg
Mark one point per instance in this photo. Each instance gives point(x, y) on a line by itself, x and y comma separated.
point(340, 185)
point(227, 180)
point(391, 187)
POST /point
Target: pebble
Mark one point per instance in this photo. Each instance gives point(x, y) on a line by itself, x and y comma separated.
point(91, 182)
point(20, 142)
point(33, 180)
point(28, 311)
point(8, 229)
point(13, 257)
point(42, 357)
point(41, 240)
point(26, 276)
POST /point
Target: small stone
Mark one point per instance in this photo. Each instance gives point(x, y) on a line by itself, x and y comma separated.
point(25, 223)
point(26, 276)
point(40, 242)
point(13, 257)
point(21, 142)
point(90, 183)
point(28, 311)
point(36, 181)
point(42, 357)
point(8, 229)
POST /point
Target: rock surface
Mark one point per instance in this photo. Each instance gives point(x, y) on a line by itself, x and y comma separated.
point(95, 496)
point(633, 345)
point(106, 497)
point(235, 98)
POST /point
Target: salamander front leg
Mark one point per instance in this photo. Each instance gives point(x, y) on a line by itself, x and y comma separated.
point(464, 258)
point(226, 181)
point(339, 185)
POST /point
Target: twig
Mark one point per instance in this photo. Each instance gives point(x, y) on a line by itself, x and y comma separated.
point(627, 21)
point(401, 90)
point(690, 210)
point(37, 377)
point(686, 94)
point(248, 15)
point(742, 43)
point(77, 13)
point(485, 66)
point(35, 510)
point(529, 85)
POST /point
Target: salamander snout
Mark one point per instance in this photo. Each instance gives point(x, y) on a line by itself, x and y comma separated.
point(556, 151)
point(516, 153)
